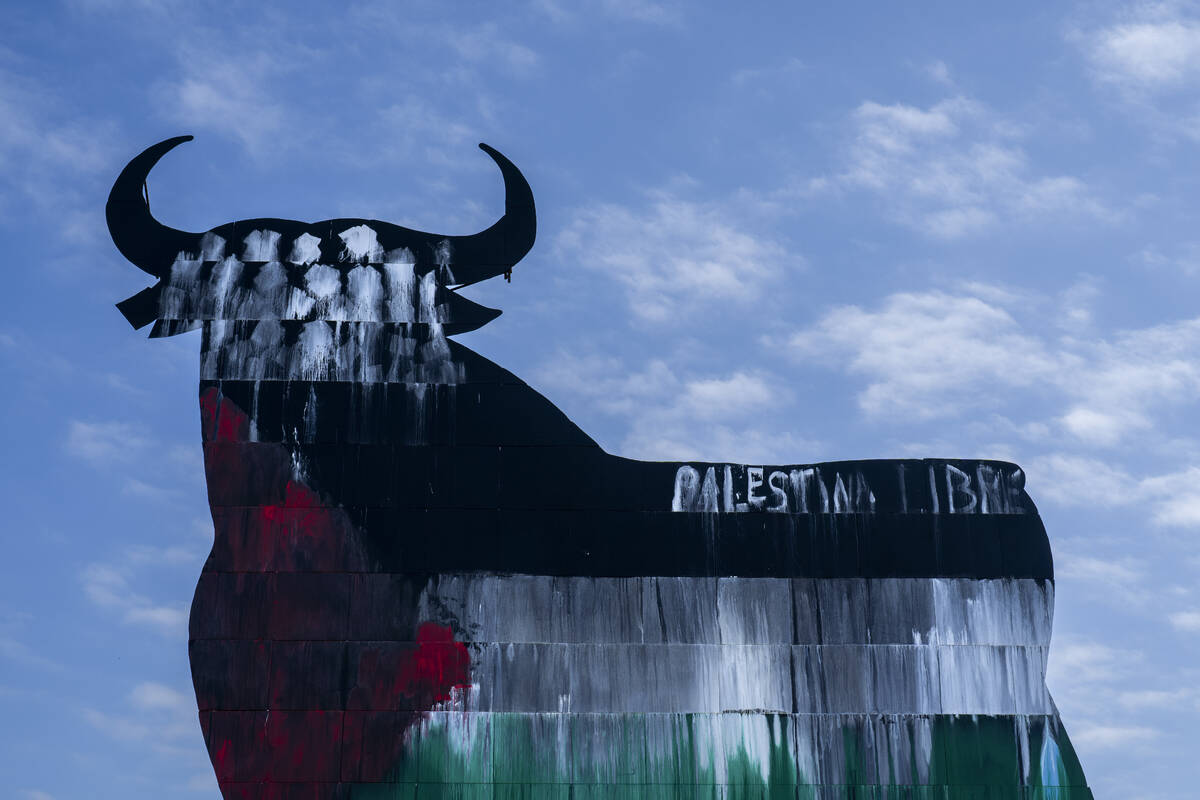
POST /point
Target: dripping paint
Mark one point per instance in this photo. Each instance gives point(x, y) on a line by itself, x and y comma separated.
point(427, 581)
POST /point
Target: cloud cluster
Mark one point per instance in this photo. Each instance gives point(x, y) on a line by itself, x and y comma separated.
point(954, 169)
point(1079, 673)
point(124, 451)
point(110, 587)
point(935, 354)
point(1149, 48)
point(311, 95)
point(105, 444)
point(673, 416)
point(1147, 55)
point(675, 255)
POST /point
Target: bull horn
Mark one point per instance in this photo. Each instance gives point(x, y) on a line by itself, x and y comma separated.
point(147, 243)
point(518, 227)
point(490, 252)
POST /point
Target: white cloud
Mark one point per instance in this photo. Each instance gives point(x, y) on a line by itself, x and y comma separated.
point(1188, 621)
point(132, 487)
point(486, 44)
point(163, 717)
point(103, 444)
point(125, 453)
point(1148, 56)
point(1178, 497)
point(1083, 663)
point(1156, 48)
point(674, 256)
point(152, 696)
point(1121, 582)
point(927, 354)
point(413, 129)
point(123, 728)
point(1183, 258)
point(108, 587)
point(674, 417)
point(52, 158)
point(1108, 696)
point(1172, 499)
point(1113, 573)
point(643, 11)
point(1159, 699)
point(1112, 737)
point(1074, 480)
point(35, 130)
point(228, 88)
point(35, 794)
point(1092, 425)
point(934, 354)
point(954, 169)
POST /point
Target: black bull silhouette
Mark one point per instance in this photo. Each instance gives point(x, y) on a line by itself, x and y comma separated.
point(424, 575)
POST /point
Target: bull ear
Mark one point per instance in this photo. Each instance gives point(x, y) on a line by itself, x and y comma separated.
point(148, 244)
point(142, 308)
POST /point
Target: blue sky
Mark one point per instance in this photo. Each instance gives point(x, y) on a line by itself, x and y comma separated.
point(772, 234)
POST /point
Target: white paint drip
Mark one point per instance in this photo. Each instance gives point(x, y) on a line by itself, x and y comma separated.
point(261, 246)
point(360, 352)
point(212, 247)
point(361, 244)
point(271, 293)
point(225, 295)
point(305, 250)
point(398, 280)
point(182, 288)
point(383, 290)
point(364, 294)
point(401, 255)
point(324, 283)
point(443, 256)
point(315, 352)
point(427, 310)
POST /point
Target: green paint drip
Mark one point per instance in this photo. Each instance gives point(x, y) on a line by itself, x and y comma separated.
point(723, 757)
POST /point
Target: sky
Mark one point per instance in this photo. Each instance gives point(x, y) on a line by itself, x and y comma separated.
point(777, 233)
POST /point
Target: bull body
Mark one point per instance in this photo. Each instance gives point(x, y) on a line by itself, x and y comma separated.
point(425, 578)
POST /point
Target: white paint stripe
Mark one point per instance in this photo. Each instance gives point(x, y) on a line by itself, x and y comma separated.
point(681, 678)
point(945, 611)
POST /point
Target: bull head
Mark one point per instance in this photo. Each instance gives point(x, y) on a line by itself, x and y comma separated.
point(337, 270)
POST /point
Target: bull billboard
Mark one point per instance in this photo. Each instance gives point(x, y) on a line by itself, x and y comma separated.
point(426, 581)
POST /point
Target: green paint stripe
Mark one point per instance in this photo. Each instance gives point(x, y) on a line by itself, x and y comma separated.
point(731, 756)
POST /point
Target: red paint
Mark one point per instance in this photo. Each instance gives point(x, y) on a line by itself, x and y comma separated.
point(221, 420)
point(438, 665)
point(268, 520)
point(221, 758)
